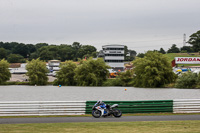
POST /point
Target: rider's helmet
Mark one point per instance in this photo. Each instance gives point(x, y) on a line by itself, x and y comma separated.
point(99, 101)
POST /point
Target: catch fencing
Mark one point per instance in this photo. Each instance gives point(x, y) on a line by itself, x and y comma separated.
point(31, 108)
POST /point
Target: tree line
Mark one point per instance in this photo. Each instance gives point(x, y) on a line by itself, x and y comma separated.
point(16, 52)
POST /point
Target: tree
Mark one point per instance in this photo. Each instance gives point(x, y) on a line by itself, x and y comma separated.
point(21, 49)
point(141, 55)
point(66, 52)
point(173, 49)
point(31, 48)
point(45, 54)
point(3, 53)
point(187, 80)
point(153, 70)
point(162, 51)
point(84, 50)
point(8, 46)
point(126, 77)
point(187, 48)
point(4, 71)
point(33, 55)
point(16, 58)
point(125, 51)
point(65, 76)
point(195, 41)
point(76, 45)
point(91, 72)
point(39, 45)
point(37, 72)
point(131, 57)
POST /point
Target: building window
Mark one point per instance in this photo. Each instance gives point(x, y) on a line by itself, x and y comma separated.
point(113, 48)
point(113, 60)
point(114, 54)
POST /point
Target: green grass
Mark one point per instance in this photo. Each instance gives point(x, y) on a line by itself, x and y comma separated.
point(89, 115)
point(172, 55)
point(107, 127)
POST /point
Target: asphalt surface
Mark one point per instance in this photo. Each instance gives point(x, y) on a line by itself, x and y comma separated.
point(91, 119)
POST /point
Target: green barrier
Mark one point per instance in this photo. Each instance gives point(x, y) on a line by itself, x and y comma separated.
point(153, 106)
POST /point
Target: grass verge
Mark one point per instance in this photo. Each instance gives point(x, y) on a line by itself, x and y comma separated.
point(108, 127)
point(89, 115)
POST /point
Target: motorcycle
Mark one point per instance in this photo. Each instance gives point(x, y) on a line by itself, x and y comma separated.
point(97, 111)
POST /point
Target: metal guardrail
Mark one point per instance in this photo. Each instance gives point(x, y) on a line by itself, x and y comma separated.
point(31, 108)
point(39, 108)
point(186, 106)
point(148, 106)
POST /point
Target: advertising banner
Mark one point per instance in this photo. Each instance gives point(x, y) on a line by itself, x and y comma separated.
point(187, 60)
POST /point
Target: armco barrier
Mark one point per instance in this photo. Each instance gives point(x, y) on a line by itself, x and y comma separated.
point(154, 106)
point(186, 106)
point(23, 108)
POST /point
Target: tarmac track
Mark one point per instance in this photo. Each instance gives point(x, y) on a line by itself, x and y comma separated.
point(91, 119)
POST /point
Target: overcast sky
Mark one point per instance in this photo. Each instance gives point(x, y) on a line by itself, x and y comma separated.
point(140, 24)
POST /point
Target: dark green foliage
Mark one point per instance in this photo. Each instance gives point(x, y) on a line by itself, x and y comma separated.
point(195, 41)
point(3, 53)
point(31, 48)
point(33, 55)
point(198, 82)
point(112, 82)
point(84, 50)
point(126, 78)
point(141, 55)
point(65, 76)
point(4, 71)
point(21, 49)
point(162, 51)
point(39, 45)
point(66, 52)
point(187, 49)
point(91, 72)
point(173, 49)
point(47, 52)
point(16, 58)
point(37, 72)
point(153, 70)
point(187, 80)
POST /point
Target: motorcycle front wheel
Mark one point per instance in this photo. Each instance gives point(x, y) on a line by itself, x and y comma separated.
point(96, 113)
point(117, 113)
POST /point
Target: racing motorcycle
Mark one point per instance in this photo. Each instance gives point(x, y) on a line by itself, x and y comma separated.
point(97, 111)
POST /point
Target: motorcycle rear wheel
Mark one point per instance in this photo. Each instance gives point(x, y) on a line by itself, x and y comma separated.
point(96, 113)
point(117, 113)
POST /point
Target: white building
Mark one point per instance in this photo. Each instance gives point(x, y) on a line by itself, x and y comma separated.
point(53, 65)
point(19, 70)
point(113, 55)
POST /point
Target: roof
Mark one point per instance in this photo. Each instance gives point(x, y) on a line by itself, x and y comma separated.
point(110, 45)
point(15, 65)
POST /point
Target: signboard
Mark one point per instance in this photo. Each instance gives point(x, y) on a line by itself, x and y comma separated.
point(187, 60)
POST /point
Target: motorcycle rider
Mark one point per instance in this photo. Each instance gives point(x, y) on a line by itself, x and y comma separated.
point(101, 104)
point(105, 110)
